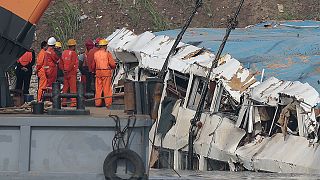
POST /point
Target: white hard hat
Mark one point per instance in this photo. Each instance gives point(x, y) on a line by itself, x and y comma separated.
point(52, 41)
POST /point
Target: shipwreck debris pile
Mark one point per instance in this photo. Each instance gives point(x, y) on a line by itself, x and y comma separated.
point(244, 121)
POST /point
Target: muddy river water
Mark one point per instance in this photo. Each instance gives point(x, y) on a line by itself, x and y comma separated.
point(157, 174)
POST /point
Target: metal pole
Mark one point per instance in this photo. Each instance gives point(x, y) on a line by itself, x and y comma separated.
point(164, 69)
point(80, 96)
point(56, 99)
point(232, 23)
point(273, 119)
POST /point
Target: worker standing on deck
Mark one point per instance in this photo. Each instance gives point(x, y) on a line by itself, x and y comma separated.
point(51, 60)
point(42, 79)
point(90, 59)
point(24, 70)
point(58, 49)
point(69, 64)
point(86, 76)
point(103, 65)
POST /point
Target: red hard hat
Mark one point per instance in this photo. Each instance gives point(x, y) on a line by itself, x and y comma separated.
point(89, 43)
point(97, 40)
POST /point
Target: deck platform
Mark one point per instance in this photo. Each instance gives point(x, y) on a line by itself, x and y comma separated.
point(64, 147)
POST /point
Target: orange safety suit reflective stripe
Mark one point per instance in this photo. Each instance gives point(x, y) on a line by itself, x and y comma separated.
point(69, 64)
point(90, 58)
point(25, 59)
point(41, 74)
point(103, 64)
point(50, 65)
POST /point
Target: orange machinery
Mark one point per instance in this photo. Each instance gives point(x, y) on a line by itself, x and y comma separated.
point(18, 19)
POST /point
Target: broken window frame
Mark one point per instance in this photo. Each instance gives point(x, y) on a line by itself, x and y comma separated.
point(195, 93)
point(168, 154)
point(219, 93)
point(177, 85)
point(244, 116)
point(216, 165)
point(183, 160)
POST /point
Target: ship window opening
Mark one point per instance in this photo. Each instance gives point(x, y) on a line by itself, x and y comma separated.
point(286, 116)
point(144, 74)
point(196, 92)
point(215, 165)
point(165, 158)
point(227, 103)
point(266, 115)
point(184, 161)
point(177, 85)
point(274, 115)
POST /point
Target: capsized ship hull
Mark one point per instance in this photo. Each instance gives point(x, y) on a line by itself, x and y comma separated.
point(269, 126)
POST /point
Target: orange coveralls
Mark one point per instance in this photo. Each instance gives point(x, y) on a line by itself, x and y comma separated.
point(50, 65)
point(41, 74)
point(69, 65)
point(90, 58)
point(103, 64)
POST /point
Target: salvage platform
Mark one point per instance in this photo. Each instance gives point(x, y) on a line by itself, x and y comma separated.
point(65, 147)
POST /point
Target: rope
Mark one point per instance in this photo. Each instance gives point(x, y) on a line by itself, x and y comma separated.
point(87, 100)
point(120, 133)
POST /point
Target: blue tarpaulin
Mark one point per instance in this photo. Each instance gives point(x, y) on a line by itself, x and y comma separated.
point(286, 50)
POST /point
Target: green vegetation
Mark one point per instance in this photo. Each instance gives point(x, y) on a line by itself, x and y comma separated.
point(158, 20)
point(65, 21)
point(134, 15)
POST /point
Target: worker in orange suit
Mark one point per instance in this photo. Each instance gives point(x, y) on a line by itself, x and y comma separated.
point(42, 79)
point(86, 76)
point(51, 61)
point(90, 59)
point(103, 65)
point(69, 64)
point(58, 48)
point(24, 70)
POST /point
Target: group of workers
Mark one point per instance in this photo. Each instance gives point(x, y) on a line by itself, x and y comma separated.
point(95, 63)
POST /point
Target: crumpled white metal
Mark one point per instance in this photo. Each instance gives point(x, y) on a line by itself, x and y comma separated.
point(268, 92)
point(150, 52)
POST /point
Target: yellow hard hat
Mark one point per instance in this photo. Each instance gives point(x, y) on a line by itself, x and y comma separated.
point(72, 42)
point(103, 42)
point(58, 44)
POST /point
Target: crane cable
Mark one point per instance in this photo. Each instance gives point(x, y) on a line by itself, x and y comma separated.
point(232, 24)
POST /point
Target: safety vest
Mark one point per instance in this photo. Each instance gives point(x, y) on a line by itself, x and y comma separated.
point(25, 59)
